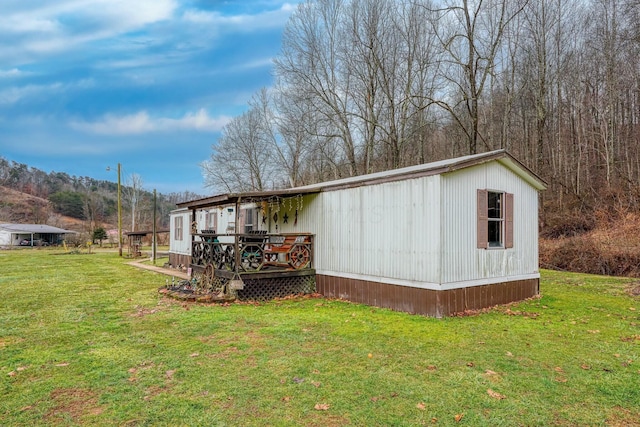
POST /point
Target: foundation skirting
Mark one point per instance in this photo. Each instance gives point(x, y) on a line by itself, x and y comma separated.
point(178, 259)
point(425, 301)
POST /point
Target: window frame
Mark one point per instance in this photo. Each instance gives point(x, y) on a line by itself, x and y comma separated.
point(211, 220)
point(484, 220)
point(498, 219)
point(249, 220)
point(178, 225)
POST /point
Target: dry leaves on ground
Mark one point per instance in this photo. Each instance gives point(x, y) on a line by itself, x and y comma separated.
point(495, 394)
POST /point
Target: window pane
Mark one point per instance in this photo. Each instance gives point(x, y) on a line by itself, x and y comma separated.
point(495, 233)
point(495, 205)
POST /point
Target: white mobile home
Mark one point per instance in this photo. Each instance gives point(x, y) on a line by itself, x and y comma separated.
point(433, 239)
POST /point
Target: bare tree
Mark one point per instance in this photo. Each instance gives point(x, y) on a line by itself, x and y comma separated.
point(368, 85)
point(471, 37)
point(5, 171)
point(293, 122)
point(310, 63)
point(242, 158)
point(133, 192)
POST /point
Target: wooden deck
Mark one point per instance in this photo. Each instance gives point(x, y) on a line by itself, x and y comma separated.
point(253, 266)
point(252, 252)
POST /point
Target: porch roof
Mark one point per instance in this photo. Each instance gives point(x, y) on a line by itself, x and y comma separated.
point(251, 196)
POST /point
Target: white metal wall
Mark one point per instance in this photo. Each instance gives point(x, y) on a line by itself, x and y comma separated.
point(461, 260)
point(417, 232)
point(182, 246)
point(5, 238)
point(225, 221)
point(387, 232)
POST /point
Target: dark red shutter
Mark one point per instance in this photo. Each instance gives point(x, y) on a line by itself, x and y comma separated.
point(482, 234)
point(508, 216)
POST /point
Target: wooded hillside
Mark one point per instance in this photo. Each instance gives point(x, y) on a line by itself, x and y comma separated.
point(365, 86)
point(29, 195)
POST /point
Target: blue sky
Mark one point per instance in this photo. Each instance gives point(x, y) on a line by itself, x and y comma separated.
point(85, 84)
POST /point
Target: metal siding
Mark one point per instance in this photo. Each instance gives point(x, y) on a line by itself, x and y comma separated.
point(389, 230)
point(425, 301)
point(182, 247)
point(461, 260)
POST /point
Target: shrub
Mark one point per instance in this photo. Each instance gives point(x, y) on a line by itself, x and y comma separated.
point(568, 225)
point(585, 254)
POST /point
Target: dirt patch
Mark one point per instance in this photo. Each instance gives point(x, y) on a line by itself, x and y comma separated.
point(6, 341)
point(153, 391)
point(634, 290)
point(622, 417)
point(74, 403)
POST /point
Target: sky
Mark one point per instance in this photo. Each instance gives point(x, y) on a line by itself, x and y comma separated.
point(149, 84)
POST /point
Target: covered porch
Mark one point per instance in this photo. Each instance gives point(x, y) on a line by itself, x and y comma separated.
point(254, 261)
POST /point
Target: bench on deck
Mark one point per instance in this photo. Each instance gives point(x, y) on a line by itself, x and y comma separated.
point(293, 247)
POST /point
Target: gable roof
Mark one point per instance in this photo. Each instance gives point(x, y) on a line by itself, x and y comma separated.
point(34, 228)
point(434, 168)
point(410, 172)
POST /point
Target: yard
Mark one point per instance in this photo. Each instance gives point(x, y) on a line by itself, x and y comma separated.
point(87, 340)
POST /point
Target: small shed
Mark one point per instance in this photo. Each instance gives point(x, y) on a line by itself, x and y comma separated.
point(31, 235)
point(434, 239)
point(135, 239)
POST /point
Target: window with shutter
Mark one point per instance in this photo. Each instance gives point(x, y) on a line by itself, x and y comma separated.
point(508, 225)
point(495, 219)
point(482, 229)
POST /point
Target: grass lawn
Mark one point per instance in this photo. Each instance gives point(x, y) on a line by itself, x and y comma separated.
point(87, 340)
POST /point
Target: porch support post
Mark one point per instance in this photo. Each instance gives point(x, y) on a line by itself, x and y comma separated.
point(237, 243)
point(192, 232)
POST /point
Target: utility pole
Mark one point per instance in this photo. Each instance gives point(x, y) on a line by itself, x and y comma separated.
point(154, 246)
point(119, 213)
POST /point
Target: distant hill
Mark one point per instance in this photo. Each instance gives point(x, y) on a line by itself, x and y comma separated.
point(29, 195)
point(16, 206)
point(23, 208)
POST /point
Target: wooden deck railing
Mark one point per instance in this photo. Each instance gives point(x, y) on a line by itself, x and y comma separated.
point(253, 252)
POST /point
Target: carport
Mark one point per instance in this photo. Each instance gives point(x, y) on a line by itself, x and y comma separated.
point(13, 234)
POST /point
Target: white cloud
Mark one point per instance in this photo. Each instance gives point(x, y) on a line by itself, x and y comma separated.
point(64, 15)
point(15, 94)
point(66, 24)
point(256, 63)
point(11, 95)
point(242, 22)
point(200, 121)
point(141, 122)
point(14, 72)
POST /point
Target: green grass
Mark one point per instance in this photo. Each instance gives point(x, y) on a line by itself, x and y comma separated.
point(87, 340)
